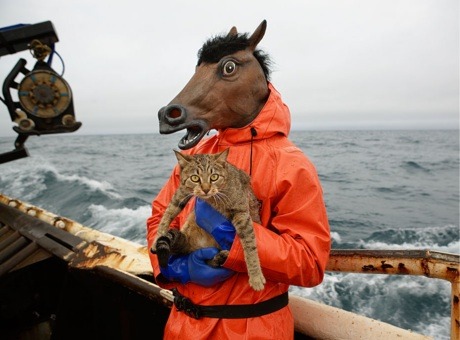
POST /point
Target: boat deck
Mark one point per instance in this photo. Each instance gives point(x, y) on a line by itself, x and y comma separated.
point(62, 280)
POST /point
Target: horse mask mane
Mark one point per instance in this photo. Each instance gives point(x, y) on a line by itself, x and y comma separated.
point(215, 48)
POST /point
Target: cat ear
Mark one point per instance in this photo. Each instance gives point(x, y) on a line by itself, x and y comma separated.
point(222, 157)
point(182, 158)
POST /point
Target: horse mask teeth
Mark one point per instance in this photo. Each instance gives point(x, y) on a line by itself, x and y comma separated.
point(191, 138)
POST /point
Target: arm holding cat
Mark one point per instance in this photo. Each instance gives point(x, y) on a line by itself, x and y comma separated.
point(193, 268)
point(294, 246)
point(293, 241)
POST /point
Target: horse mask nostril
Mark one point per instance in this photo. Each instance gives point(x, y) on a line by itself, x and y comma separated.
point(174, 113)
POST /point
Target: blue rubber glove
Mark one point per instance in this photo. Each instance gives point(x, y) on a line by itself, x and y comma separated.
point(193, 268)
point(215, 224)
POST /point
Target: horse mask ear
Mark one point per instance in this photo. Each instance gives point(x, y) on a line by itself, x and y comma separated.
point(233, 31)
point(257, 36)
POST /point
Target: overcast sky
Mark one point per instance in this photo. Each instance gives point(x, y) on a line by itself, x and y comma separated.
point(363, 64)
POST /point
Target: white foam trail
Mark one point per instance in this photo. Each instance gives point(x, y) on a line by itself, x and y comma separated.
point(453, 247)
point(92, 184)
point(336, 237)
point(27, 179)
point(427, 238)
point(122, 221)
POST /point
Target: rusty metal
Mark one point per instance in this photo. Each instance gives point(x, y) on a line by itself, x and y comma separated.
point(120, 253)
point(426, 263)
point(56, 241)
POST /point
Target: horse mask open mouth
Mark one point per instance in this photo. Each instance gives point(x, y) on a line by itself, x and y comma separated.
point(174, 118)
point(193, 135)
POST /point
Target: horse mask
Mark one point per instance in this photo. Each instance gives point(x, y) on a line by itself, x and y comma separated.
point(228, 89)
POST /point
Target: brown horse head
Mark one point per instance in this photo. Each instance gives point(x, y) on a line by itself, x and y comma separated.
point(228, 89)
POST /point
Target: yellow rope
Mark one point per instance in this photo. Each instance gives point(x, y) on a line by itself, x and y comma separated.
point(39, 50)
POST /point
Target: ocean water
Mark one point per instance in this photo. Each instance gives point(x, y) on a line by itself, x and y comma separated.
point(383, 190)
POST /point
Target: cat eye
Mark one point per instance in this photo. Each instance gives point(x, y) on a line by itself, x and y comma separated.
point(214, 177)
point(195, 178)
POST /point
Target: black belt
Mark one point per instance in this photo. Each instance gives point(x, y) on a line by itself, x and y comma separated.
point(184, 304)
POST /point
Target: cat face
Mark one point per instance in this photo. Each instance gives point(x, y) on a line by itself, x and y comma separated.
point(203, 175)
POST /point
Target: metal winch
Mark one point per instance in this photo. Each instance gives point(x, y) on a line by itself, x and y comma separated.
point(42, 101)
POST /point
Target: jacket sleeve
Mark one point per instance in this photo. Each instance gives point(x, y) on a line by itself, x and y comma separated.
point(294, 241)
point(159, 205)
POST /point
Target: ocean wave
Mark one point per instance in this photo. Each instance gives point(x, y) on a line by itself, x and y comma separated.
point(335, 236)
point(31, 178)
point(395, 190)
point(24, 181)
point(92, 184)
point(453, 247)
point(409, 302)
point(335, 177)
point(412, 166)
point(123, 222)
point(444, 238)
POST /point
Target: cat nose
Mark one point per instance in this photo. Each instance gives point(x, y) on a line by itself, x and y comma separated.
point(205, 187)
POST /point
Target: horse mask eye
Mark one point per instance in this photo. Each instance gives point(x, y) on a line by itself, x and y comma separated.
point(229, 68)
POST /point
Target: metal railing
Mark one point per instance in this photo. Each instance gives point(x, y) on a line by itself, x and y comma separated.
point(426, 263)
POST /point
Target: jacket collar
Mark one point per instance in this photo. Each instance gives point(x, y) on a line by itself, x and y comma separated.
point(273, 119)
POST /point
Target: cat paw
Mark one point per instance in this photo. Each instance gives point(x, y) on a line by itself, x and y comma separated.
point(162, 249)
point(257, 282)
point(153, 248)
point(219, 259)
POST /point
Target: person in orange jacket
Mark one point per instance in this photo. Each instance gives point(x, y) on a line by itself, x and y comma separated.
point(293, 239)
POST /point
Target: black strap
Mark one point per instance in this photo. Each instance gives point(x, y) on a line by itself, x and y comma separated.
point(253, 134)
point(184, 304)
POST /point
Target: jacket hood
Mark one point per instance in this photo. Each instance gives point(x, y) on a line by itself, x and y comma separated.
point(273, 119)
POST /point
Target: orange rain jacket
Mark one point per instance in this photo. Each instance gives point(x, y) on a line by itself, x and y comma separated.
point(293, 240)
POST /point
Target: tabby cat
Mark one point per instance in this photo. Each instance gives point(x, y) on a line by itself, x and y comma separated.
point(211, 178)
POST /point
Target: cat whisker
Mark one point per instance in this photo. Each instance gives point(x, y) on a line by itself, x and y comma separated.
point(223, 193)
point(218, 199)
point(223, 198)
